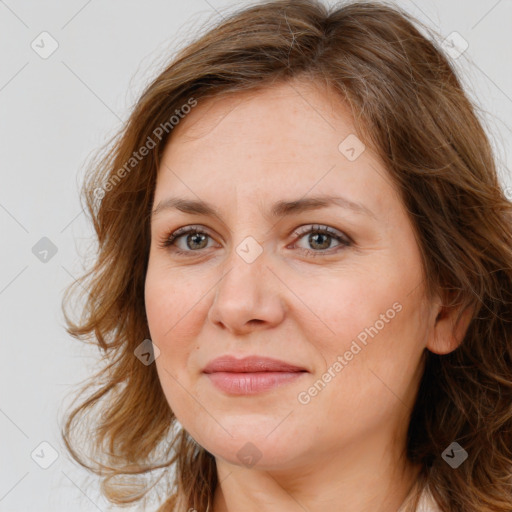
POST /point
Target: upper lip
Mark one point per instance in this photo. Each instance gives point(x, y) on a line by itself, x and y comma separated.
point(250, 364)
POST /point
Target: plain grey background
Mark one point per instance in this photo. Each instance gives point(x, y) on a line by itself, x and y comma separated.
point(55, 111)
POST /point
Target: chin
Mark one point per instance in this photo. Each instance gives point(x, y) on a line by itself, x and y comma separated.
point(253, 451)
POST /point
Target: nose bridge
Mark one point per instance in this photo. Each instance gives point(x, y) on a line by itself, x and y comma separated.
point(247, 237)
point(242, 294)
point(244, 267)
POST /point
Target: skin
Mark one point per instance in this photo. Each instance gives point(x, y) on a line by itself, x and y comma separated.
point(243, 153)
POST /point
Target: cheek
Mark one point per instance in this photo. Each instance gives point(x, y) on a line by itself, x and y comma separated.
point(374, 324)
point(169, 326)
point(172, 317)
point(336, 308)
point(176, 310)
point(167, 300)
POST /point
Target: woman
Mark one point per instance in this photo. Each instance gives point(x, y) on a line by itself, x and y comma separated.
point(304, 280)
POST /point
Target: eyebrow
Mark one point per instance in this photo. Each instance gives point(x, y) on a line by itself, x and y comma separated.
point(279, 209)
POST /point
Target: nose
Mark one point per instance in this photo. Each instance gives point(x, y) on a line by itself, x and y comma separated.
point(248, 295)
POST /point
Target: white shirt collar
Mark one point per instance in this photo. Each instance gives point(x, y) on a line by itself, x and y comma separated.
point(426, 503)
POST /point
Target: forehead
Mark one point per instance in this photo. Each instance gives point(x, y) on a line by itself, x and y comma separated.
point(296, 112)
point(281, 140)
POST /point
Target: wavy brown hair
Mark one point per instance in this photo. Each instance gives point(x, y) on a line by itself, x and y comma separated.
point(409, 106)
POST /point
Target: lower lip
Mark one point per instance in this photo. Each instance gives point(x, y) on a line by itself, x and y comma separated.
point(251, 383)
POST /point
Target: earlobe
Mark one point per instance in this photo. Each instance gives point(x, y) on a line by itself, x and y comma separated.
point(445, 335)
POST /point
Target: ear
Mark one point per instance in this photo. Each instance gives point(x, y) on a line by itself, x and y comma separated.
point(444, 337)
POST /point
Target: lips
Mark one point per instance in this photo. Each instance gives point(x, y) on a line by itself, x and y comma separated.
point(251, 375)
point(250, 364)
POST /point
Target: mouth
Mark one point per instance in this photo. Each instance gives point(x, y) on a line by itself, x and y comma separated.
point(251, 375)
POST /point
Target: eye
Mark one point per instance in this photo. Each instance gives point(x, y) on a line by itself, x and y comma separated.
point(194, 238)
point(320, 238)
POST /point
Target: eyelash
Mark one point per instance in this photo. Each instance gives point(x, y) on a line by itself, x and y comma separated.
point(169, 240)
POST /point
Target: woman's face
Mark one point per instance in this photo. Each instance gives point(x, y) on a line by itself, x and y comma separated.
point(346, 305)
